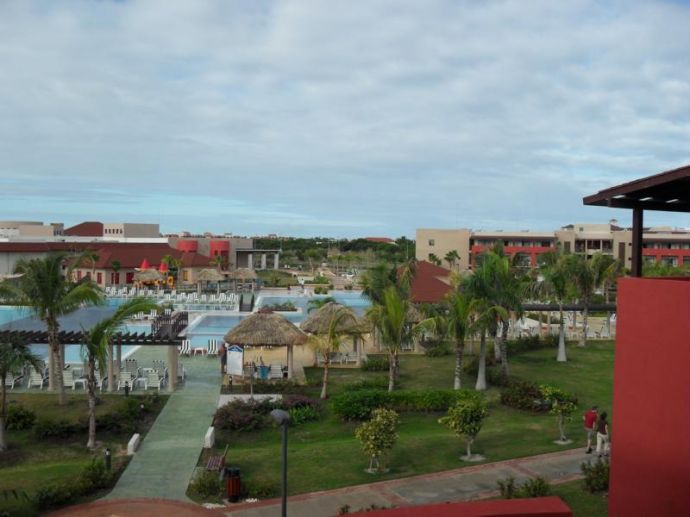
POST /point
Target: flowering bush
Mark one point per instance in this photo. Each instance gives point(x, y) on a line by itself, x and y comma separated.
point(466, 417)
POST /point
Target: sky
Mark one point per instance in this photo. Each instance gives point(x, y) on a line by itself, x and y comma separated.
point(342, 119)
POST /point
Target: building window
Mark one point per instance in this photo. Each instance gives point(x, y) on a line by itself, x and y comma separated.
point(432, 242)
point(669, 261)
point(99, 278)
point(686, 261)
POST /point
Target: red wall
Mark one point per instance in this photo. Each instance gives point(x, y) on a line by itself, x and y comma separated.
point(650, 426)
point(187, 245)
point(659, 254)
point(219, 248)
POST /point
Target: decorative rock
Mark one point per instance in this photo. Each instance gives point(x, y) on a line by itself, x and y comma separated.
point(133, 444)
point(210, 438)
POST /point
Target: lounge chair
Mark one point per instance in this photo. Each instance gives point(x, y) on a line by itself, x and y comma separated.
point(68, 379)
point(11, 380)
point(212, 347)
point(276, 371)
point(152, 379)
point(37, 379)
point(125, 377)
point(185, 348)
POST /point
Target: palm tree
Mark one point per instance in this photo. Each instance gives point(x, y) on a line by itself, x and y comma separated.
point(390, 321)
point(500, 284)
point(452, 257)
point(174, 266)
point(556, 277)
point(587, 276)
point(485, 322)
point(95, 348)
point(376, 280)
point(14, 355)
point(50, 294)
point(433, 258)
point(328, 343)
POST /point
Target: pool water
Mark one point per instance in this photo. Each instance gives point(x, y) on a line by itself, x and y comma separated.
point(353, 299)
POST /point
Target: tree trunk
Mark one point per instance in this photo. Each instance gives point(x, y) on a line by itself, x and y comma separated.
point(481, 372)
point(91, 386)
point(497, 345)
point(55, 347)
point(583, 341)
point(459, 349)
point(469, 447)
point(548, 322)
point(3, 415)
point(391, 371)
point(561, 357)
point(503, 346)
point(326, 363)
point(51, 369)
point(560, 428)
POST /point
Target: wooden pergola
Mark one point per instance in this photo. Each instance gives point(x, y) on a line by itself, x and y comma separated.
point(667, 192)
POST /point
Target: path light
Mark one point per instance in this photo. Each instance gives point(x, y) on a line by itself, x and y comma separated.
point(282, 418)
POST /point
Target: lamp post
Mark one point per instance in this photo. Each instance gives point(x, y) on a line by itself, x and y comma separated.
point(282, 418)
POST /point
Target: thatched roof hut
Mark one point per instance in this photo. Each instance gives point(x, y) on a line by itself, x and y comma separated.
point(265, 329)
point(243, 274)
point(413, 315)
point(210, 275)
point(319, 321)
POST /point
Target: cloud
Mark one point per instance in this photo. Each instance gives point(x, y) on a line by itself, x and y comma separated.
point(308, 117)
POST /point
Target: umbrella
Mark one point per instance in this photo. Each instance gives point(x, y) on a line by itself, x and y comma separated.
point(148, 275)
point(144, 265)
point(243, 274)
point(413, 315)
point(210, 275)
point(319, 321)
point(265, 329)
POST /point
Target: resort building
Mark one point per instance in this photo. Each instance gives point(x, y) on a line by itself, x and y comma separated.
point(29, 229)
point(666, 245)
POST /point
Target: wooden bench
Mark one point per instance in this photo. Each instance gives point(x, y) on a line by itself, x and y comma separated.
point(216, 463)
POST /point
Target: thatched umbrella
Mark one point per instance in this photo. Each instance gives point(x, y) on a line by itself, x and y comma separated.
point(243, 274)
point(266, 328)
point(209, 275)
point(413, 315)
point(148, 276)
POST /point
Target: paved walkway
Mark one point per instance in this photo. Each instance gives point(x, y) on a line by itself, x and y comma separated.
point(170, 451)
point(474, 482)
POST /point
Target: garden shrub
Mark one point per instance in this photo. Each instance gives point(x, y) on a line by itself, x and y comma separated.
point(95, 476)
point(533, 487)
point(19, 418)
point(375, 363)
point(524, 395)
point(206, 484)
point(437, 349)
point(240, 415)
point(48, 428)
point(378, 435)
point(282, 387)
point(358, 405)
point(261, 487)
point(297, 401)
point(300, 415)
point(596, 475)
point(466, 417)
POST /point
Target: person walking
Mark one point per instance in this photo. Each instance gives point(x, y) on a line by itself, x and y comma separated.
point(603, 435)
point(590, 420)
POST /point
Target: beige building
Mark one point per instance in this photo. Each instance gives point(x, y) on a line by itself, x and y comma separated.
point(438, 242)
point(29, 229)
point(130, 231)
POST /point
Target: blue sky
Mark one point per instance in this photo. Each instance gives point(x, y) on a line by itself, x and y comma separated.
point(337, 118)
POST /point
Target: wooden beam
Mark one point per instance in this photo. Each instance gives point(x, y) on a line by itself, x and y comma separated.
point(637, 241)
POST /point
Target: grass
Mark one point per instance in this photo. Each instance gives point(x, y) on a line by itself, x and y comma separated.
point(275, 278)
point(28, 463)
point(581, 502)
point(326, 455)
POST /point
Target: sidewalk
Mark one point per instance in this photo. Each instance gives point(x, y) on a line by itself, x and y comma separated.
point(169, 453)
point(462, 484)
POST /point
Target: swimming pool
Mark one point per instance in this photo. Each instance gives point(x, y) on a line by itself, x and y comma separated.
point(353, 299)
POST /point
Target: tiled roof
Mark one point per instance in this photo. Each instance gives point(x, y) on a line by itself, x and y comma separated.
point(86, 229)
point(131, 256)
point(385, 240)
point(428, 284)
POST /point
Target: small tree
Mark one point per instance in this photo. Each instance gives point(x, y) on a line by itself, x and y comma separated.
point(465, 418)
point(562, 405)
point(377, 436)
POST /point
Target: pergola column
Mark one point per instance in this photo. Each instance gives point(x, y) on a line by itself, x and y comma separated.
point(290, 361)
point(51, 369)
point(111, 377)
point(636, 267)
point(118, 363)
point(357, 349)
point(172, 367)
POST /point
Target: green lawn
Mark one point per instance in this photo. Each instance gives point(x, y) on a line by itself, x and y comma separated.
point(325, 454)
point(29, 463)
point(581, 502)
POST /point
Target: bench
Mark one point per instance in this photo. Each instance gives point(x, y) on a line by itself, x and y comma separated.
point(133, 444)
point(216, 463)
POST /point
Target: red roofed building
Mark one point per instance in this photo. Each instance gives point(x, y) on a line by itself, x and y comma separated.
point(85, 229)
point(430, 283)
point(384, 240)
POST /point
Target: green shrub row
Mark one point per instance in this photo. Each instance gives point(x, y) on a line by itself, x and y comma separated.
point(375, 363)
point(19, 418)
point(358, 405)
point(251, 415)
point(527, 396)
point(93, 478)
point(533, 487)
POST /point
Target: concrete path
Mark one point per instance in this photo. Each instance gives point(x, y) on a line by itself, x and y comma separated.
point(454, 485)
point(169, 453)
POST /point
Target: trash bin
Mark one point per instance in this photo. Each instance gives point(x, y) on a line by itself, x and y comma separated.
point(232, 484)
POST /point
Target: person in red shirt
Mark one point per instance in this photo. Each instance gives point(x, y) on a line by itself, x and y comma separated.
point(590, 420)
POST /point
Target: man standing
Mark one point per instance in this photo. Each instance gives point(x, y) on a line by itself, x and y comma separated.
point(590, 419)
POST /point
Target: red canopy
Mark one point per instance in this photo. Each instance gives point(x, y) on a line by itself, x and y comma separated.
point(163, 268)
point(144, 264)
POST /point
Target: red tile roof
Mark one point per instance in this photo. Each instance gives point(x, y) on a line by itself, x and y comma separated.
point(132, 255)
point(86, 229)
point(428, 285)
point(385, 240)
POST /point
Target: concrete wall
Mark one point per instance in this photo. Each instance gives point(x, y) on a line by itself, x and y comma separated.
point(8, 260)
point(650, 466)
point(440, 242)
point(131, 230)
